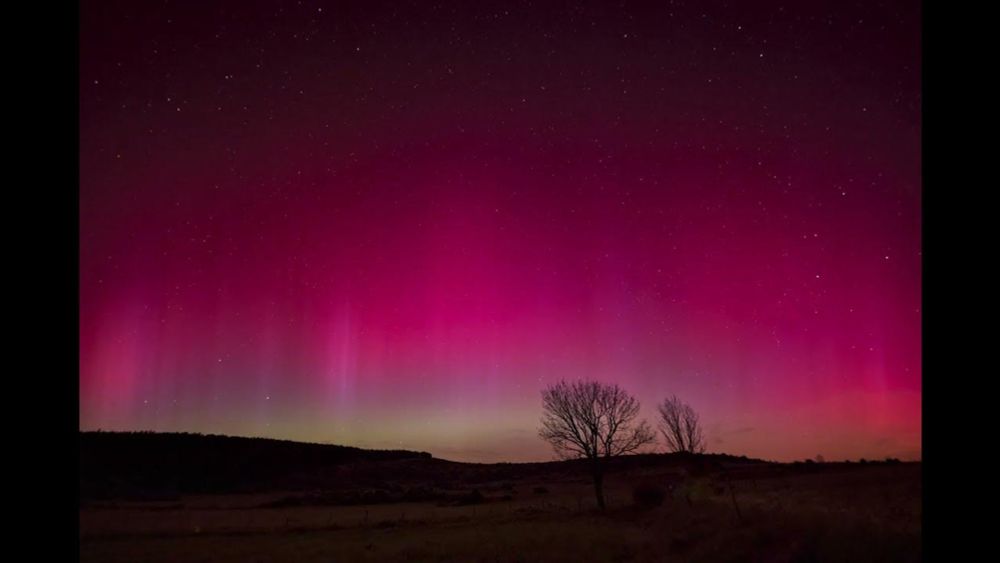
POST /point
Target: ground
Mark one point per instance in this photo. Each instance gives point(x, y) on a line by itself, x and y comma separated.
point(826, 513)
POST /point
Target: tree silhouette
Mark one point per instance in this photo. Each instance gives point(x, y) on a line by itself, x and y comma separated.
point(679, 425)
point(592, 420)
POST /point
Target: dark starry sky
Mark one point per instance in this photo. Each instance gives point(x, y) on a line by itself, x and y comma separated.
point(390, 224)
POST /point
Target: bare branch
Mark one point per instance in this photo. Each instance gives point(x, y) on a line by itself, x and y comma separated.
point(588, 419)
point(680, 426)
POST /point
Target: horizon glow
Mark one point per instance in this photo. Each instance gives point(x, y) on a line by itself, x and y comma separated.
point(391, 227)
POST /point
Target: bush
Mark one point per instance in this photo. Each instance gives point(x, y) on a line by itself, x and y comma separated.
point(648, 495)
point(473, 497)
point(540, 491)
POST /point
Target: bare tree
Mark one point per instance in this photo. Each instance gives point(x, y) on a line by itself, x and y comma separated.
point(592, 420)
point(679, 425)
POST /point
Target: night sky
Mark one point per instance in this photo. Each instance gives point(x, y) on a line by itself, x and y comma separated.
point(391, 224)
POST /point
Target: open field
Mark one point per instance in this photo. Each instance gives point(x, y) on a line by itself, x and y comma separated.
point(829, 512)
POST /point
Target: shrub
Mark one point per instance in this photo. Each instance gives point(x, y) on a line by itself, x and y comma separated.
point(648, 495)
point(473, 497)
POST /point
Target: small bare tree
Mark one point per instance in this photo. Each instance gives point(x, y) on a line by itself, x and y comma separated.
point(592, 420)
point(679, 425)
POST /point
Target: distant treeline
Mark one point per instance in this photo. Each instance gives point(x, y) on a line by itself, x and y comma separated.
point(151, 464)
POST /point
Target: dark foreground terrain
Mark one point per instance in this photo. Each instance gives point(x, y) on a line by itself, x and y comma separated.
point(142, 500)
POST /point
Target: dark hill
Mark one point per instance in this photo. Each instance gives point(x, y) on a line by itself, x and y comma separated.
point(150, 464)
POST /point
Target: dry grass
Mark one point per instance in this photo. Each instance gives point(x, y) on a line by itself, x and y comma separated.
point(869, 514)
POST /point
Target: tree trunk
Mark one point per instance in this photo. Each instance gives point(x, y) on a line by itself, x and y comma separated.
point(732, 492)
point(599, 487)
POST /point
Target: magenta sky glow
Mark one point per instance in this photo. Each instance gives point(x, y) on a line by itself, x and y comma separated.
point(389, 225)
